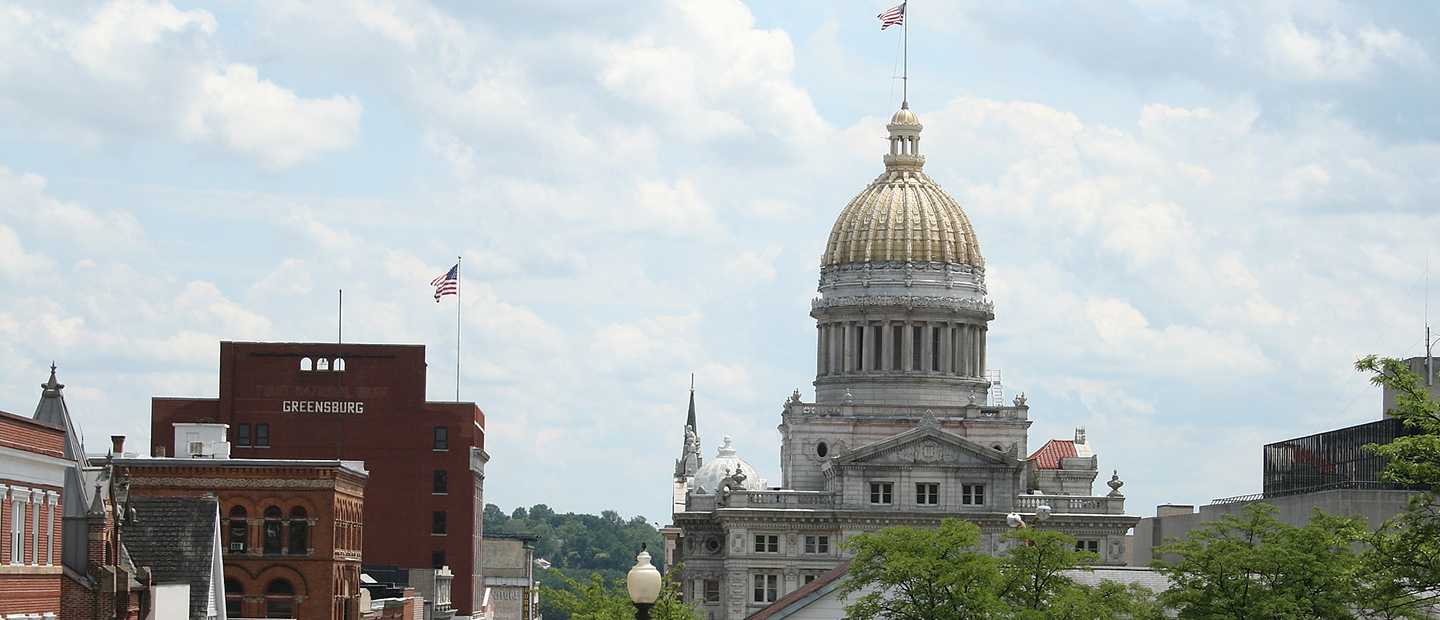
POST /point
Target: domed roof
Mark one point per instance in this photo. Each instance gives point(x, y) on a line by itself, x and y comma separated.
point(708, 477)
point(903, 215)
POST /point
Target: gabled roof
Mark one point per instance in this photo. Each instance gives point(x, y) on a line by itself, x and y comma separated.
point(175, 537)
point(1049, 455)
point(802, 596)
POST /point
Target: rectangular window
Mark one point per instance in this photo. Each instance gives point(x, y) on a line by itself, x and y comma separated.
point(712, 590)
point(767, 543)
point(17, 532)
point(242, 434)
point(859, 348)
point(972, 494)
point(895, 344)
point(262, 435)
point(437, 559)
point(1093, 546)
point(809, 577)
point(935, 348)
point(767, 587)
point(917, 340)
point(442, 438)
point(437, 522)
point(817, 544)
point(279, 608)
point(879, 347)
point(882, 492)
point(439, 484)
point(927, 493)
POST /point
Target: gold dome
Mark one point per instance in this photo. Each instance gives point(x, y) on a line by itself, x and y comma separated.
point(903, 215)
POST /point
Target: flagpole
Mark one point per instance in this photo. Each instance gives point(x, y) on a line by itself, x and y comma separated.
point(457, 328)
point(905, 71)
point(339, 344)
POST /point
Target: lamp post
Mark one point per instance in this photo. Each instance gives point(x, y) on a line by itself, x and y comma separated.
point(643, 583)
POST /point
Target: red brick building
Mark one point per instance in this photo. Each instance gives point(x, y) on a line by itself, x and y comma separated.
point(362, 402)
point(290, 529)
point(32, 478)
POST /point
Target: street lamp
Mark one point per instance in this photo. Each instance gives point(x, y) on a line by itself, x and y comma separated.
point(643, 582)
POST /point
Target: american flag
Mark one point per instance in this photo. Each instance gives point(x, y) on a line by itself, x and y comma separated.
point(448, 284)
point(894, 16)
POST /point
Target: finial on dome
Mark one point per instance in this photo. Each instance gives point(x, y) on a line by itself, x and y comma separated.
point(53, 386)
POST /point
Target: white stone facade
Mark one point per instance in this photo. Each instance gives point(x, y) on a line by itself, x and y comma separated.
point(900, 433)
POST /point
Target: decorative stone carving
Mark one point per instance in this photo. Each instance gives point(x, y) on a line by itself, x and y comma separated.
point(1115, 483)
point(985, 308)
point(928, 420)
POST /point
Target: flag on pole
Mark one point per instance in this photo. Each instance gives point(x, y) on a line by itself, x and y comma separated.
point(894, 16)
point(447, 284)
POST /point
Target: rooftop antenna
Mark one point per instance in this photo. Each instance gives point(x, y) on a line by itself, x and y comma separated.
point(1429, 353)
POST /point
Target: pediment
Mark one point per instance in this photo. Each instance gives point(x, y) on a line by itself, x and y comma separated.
point(926, 446)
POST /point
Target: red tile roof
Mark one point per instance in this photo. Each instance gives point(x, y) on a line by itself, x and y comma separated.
point(1049, 455)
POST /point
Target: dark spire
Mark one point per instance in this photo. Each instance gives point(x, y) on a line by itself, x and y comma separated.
point(690, 419)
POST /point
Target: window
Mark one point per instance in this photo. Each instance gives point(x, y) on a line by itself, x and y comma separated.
point(438, 482)
point(809, 577)
point(767, 543)
point(915, 333)
point(299, 531)
point(442, 438)
point(304, 364)
point(879, 332)
point(712, 590)
point(927, 493)
point(272, 531)
point(972, 494)
point(898, 357)
point(17, 532)
point(242, 434)
point(437, 559)
point(882, 492)
point(817, 544)
point(262, 435)
point(821, 449)
point(280, 600)
point(1093, 546)
point(766, 588)
point(339, 364)
point(238, 531)
point(859, 348)
point(322, 364)
point(437, 522)
point(233, 594)
point(934, 348)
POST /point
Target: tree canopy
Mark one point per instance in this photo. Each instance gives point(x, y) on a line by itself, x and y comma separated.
point(579, 547)
point(903, 573)
point(594, 600)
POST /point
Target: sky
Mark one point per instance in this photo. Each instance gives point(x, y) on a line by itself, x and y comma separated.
point(1195, 216)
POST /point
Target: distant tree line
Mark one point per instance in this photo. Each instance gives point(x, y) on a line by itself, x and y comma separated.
point(577, 545)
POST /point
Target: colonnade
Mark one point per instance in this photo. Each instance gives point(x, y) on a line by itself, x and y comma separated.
point(931, 347)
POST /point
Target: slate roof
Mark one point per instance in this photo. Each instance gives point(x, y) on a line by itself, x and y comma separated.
point(175, 538)
point(1049, 455)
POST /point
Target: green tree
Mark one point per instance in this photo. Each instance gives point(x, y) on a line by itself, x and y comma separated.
point(938, 574)
point(1403, 558)
point(910, 574)
point(594, 600)
point(1255, 566)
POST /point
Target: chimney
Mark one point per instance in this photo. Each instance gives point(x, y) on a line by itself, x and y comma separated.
point(117, 444)
point(158, 450)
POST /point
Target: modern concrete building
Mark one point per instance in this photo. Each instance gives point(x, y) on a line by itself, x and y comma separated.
point(510, 585)
point(908, 426)
point(358, 402)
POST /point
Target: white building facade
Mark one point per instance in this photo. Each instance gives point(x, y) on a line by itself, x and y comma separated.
point(904, 429)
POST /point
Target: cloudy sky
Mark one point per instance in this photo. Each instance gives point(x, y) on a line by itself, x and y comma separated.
point(1195, 215)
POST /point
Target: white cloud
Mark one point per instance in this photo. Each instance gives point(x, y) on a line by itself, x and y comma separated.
point(1296, 54)
point(751, 268)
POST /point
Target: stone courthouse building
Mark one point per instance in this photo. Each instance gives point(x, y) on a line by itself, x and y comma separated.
point(904, 429)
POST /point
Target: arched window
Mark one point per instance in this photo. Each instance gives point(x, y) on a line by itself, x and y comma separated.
point(280, 599)
point(238, 531)
point(299, 532)
point(304, 364)
point(322, 364)
point(272, 531)
point(234, 594)
point(339, 364)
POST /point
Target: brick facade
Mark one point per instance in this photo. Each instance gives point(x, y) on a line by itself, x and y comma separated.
point(291, 530)
point(366, 403)
point(32, 473)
